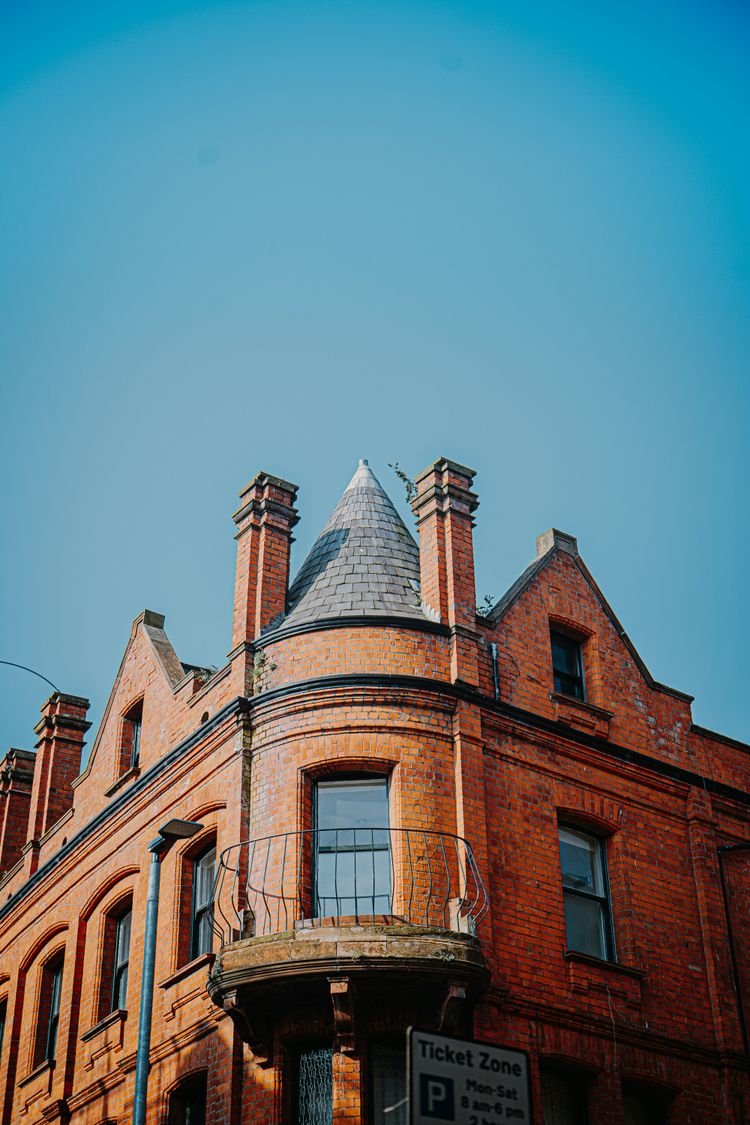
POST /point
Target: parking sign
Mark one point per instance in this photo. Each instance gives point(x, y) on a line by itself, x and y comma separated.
point(460, 1082)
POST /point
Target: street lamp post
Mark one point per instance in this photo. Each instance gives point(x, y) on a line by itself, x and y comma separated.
point(168, 833)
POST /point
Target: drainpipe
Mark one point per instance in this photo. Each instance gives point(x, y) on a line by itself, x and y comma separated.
point(168, 833)
point(495, 674)
point(723, 850)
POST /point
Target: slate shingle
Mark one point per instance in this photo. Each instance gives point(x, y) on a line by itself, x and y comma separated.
point(365, 562)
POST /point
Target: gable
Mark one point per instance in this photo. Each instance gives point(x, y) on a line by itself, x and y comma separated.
point(622, 700)
point(149, 673)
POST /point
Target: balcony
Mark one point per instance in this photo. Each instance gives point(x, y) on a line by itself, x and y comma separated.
point(334, 920)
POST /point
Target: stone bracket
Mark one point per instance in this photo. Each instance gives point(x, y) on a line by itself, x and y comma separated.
point(252, 1027)
point(344, 1017)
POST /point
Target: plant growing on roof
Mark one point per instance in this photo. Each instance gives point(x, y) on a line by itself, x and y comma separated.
point(409, 484)
point(484, 608)
point(261, 667)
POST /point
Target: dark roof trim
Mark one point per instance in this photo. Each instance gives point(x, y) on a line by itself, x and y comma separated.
point(524, 581)
point(704, 732)
point(359, 621)
point(527, 718)
point(239, 705)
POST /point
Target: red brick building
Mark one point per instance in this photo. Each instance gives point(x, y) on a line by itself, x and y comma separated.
point(496, 825)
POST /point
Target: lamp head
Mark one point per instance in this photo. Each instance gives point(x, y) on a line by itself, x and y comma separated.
point(173, 830)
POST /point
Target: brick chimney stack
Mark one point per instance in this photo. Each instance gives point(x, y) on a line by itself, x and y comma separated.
point(58, 760)
point(443, 508)
point(16, 778)
point(264, 539)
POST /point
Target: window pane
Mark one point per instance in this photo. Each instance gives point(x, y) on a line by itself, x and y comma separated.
point(120, 992)
point(584, 921)
point(122, 939)
point(55, 986)
point(204, 872)
point(580, 862)
point(315, 1087)
point(563, 1099)
point(565, 654)
point(388, 1084)
point(352, 804)
point(135, 745)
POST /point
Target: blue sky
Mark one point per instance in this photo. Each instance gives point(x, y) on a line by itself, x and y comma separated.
point(282, 236)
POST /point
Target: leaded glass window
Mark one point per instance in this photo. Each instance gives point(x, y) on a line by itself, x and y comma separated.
point(315, 1087)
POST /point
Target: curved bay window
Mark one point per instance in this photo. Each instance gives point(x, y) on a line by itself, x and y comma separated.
point(202, 925)
point(352, 854)
point(588, 919)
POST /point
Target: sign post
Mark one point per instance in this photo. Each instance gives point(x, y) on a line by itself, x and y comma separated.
point(459, 1082)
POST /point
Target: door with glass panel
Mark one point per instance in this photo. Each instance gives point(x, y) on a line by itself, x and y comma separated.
point(351, 848)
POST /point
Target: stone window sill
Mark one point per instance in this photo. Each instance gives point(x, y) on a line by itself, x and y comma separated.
point(45, 1067)
point(205, 961)
point(583, 716)
point(118, 1016)
point(123, 779)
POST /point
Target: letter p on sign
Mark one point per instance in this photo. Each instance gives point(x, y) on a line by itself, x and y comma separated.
point(436, 1097)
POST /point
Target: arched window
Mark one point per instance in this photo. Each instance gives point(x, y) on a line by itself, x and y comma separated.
point(588, 917)
point(202, 918)
point(123, 926)
point(564, 1095)
point(351, 853)
point(187, 1102)
point(130, 737)
point(113, 987)
point(48, 1014)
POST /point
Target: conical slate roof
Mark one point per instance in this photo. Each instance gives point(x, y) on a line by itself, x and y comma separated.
point(365, 561)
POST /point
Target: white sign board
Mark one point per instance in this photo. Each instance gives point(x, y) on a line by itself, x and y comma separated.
point(459, 1082)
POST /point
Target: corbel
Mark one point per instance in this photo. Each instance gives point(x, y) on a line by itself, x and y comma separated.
point(453, 1007)
point(252, 1028)
point(344, 1021)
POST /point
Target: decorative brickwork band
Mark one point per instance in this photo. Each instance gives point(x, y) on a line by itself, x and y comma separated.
point(264, 538)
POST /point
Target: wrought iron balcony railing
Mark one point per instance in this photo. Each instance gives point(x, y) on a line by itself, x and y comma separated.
point(398, 876)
